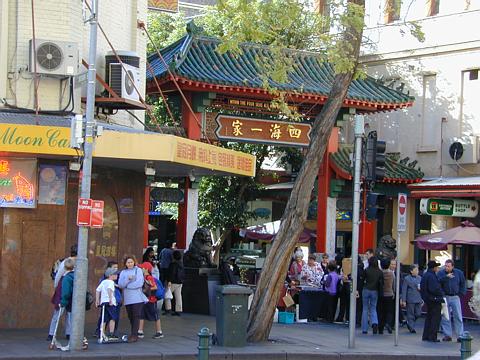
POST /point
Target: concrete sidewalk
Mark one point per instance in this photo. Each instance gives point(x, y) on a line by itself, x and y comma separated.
point(296, 341)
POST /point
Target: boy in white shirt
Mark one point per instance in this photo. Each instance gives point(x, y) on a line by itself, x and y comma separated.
point(105, 296)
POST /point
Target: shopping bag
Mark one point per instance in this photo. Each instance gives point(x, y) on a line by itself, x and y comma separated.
point(168, 294)
point(288, 300)
point(445, 313)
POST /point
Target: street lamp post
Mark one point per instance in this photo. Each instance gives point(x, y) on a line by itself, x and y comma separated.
point(81, 265)
point(359, 133)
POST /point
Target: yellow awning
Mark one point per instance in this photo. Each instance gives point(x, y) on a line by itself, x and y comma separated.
point(130, 150)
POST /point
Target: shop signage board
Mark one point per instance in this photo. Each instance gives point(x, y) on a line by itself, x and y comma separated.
point(402, 212)
point(163, 5)
point(261, 131)
point(96, 219)
point(18, 183)
point(84, 212)
point(171, 195)
point(449, 207)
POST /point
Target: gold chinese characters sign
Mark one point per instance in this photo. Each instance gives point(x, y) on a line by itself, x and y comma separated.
point(262, 131)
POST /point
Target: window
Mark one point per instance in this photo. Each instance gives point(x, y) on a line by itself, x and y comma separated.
point(430, 130)
point(433, 7)
point(473, 74)
point(392, 10)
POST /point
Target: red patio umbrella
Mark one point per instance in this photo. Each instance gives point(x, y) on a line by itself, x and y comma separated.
point(466, 234)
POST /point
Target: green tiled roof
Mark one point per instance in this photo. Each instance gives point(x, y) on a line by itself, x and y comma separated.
point(396, 170)
point(194, 58)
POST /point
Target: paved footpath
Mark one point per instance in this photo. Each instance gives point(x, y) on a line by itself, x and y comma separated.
point(287, 342)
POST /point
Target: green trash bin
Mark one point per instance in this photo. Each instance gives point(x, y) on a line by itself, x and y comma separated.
point(232, 315)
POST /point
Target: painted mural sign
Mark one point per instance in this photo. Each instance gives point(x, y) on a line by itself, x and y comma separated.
point(18, 183)
point(244, 129)
point(449, 207)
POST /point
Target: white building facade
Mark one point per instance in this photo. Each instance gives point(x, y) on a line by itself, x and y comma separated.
point(63, 22)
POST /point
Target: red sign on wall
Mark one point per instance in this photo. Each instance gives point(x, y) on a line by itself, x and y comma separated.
point(97, 214)
point(84, 212)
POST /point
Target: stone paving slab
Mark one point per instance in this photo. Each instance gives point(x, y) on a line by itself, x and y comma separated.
point(287, 342)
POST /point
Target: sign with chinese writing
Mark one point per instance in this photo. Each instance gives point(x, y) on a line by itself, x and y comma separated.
point(96, 218)
point(52, 183)
point(262, 131)
point(163, 5)
point(256, 104)
point(84, 212)
point(402, 212)
point(18, 183)
point(449, 207)
point(213, 157)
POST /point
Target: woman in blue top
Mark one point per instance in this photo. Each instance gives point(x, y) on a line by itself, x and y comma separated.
point(131, 281)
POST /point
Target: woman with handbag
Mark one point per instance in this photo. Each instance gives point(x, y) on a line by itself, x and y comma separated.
point(175, 277)
point(131, 281)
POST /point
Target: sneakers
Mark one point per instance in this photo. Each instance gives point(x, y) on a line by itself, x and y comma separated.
point(113, 337)
point(158, 335)
point(141, 335)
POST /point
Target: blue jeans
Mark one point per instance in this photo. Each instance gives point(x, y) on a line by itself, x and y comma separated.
point(369, 299)
point(455, 310)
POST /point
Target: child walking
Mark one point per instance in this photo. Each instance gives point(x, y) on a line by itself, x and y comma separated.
point(150, 310)
point(105, 297)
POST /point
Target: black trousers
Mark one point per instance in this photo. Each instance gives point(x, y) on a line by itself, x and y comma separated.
point(344, 310)
point(134, 312)
point(331, 307)
point(386, 312)
point(432, 321)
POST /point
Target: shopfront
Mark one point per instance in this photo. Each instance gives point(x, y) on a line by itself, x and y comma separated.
point(39, 188)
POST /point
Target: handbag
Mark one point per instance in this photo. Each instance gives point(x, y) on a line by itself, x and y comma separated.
point(288, 300)
point(168, 294)
point(445, 313)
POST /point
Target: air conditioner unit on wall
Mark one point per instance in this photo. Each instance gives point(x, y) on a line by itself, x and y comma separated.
point(461, 150)
point(54, 58)
point(120, 82)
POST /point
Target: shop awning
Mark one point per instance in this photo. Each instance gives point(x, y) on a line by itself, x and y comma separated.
point(122, 147)
point(468, 186)
point(268, 231)
point(465, 234)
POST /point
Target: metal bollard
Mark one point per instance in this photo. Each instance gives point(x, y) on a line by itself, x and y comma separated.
point(203, 344)
point(465, 345)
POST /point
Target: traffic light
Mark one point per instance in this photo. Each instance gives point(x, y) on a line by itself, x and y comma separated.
point(375, 205)
point(374, 158)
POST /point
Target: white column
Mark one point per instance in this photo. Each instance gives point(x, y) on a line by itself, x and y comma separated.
point(192, 214)
point(331, 225)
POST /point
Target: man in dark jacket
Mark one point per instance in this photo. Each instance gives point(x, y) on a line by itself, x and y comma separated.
point(454, 287)
point(67, 292)
point(432, 294)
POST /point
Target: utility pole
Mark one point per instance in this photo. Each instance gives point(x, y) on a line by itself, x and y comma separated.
point(359, 133)
point(81, 265)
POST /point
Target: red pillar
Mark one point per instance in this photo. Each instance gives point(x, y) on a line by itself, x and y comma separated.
point(324, 175)
point(367, 235)
point(192, 124)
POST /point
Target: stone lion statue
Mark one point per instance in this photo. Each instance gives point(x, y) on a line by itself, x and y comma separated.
point(386, 247)
point(199, 252)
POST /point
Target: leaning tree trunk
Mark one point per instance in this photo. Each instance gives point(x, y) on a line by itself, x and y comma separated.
point(275, 268)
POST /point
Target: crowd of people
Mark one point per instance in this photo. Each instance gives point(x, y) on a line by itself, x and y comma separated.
point(376, 293)
point(142, 288)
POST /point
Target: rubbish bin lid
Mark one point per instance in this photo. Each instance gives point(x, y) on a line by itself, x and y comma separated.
point(234, 290)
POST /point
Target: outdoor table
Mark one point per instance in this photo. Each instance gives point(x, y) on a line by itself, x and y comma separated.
point(312, 301)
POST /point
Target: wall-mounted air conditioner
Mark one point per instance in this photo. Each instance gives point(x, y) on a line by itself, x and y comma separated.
point(54, 58)
point(461, 150)
point(121, 83)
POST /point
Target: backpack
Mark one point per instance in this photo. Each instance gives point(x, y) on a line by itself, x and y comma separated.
point(160, 292)
point(54, 269)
